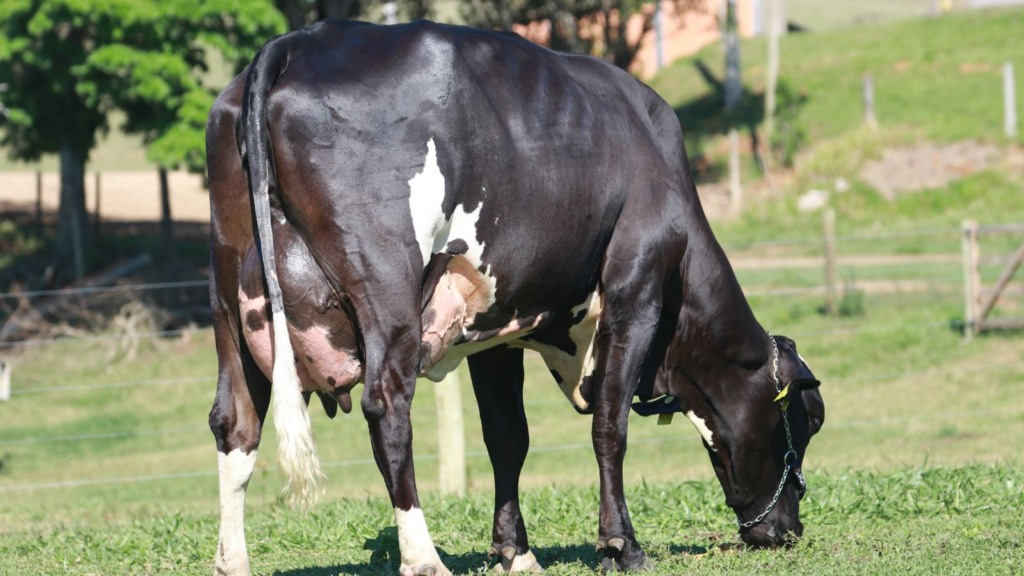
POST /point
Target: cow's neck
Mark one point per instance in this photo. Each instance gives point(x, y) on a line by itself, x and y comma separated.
point(720, 335)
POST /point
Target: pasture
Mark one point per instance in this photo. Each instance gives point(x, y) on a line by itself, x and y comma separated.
point(108, 468)
point(107, 465)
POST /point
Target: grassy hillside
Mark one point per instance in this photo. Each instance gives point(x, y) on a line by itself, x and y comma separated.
point(934, 78)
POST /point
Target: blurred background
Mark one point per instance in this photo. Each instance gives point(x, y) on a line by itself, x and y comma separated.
point(861, 162)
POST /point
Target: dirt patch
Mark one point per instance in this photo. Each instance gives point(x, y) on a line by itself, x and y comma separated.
point(905, 170)
point(124, 196)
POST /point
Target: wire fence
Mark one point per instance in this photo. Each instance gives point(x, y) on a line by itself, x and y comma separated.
point(145, 432)
point(954, 277)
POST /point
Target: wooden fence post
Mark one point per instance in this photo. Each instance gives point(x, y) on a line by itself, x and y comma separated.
point(39, 199)
point(96, 214)
point(451, 436)
point(831, 288)
point(5, 381)
point(986, 308)
point(869, 101)
point(969, 244)
point(1009, 102)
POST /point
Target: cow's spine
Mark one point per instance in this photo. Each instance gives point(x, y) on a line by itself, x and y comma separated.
point(296, 451)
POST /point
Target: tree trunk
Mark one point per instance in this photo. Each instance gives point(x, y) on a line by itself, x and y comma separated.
point(294, 12)
point(776, 28)
point(166, 221)
point(72, 221)
point(733, 84)
point(335, 9)
point(733, 96)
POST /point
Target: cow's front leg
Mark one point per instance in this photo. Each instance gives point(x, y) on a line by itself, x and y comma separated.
point(386, 405)
point(498, 384)
point(625, 336)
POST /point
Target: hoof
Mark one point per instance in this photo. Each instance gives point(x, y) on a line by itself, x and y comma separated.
point(609, 564)
point(425, 570)
point(621, 555)
point(512, 561)
point(237, 567)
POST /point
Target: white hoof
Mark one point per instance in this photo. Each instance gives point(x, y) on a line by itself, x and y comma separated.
point(520, 563)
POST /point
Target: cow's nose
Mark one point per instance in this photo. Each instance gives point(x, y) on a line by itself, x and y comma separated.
point(772, 534)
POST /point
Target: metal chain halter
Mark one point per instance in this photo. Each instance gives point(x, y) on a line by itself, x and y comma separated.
point(790, 457)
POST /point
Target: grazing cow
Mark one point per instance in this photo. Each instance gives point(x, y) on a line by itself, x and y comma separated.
point(387, 201)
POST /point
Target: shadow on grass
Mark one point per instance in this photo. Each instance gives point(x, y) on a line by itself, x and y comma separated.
point(385, 558)
point(704, 119)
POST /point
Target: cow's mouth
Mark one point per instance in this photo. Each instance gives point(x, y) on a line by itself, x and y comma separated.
point(769, 534)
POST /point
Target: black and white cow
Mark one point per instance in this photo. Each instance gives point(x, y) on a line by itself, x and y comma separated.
point(387, 201)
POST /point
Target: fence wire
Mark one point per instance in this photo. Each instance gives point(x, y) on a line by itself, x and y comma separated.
point(952, 232)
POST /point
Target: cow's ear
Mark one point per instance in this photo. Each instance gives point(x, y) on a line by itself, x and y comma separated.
point(815, 407)
point(793, 370)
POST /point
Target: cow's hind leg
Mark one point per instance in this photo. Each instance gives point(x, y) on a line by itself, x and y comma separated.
point(383, 289)
point(243, 395)
point(498, 384)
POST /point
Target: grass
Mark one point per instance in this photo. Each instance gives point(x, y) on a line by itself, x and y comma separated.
point(845, 13)
point(916, 469)
point(908, 521)
point(935, 79)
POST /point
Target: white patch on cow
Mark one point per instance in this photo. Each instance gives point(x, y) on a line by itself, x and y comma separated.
point(426, 194)
point(417, 549)
point(235, 469)
point(433, 231)
point(260, 340)
point(463, 226)
point(573, 368)
point(701, 427)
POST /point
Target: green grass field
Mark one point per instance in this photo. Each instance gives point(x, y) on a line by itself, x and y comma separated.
point(107, 465)
point(935, 79)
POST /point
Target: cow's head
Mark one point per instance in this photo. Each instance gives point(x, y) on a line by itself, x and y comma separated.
point(743, 420)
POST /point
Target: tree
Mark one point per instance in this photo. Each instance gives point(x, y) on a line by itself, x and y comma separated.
point(69, 63)
point(301, 13)
point(573, 22)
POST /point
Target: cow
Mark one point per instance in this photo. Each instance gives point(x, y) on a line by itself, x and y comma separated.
point(387, 201)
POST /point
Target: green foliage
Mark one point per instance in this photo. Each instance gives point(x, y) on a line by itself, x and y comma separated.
point(851, 303)
point(69, 63)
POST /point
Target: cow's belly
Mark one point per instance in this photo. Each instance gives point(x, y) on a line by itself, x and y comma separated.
point(572, 368)
point(461, 293)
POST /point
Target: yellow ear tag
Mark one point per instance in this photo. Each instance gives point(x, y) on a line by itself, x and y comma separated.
point(665, 419)
point(783, 396)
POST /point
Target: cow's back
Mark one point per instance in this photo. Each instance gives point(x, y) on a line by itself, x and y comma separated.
point(543, 149)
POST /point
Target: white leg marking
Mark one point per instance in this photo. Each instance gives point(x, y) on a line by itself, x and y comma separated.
point(414, 542)
point(235, 470)
point(426, 194)
point(701, 427)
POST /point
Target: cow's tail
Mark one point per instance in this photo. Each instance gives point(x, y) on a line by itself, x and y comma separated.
point(296, 452)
